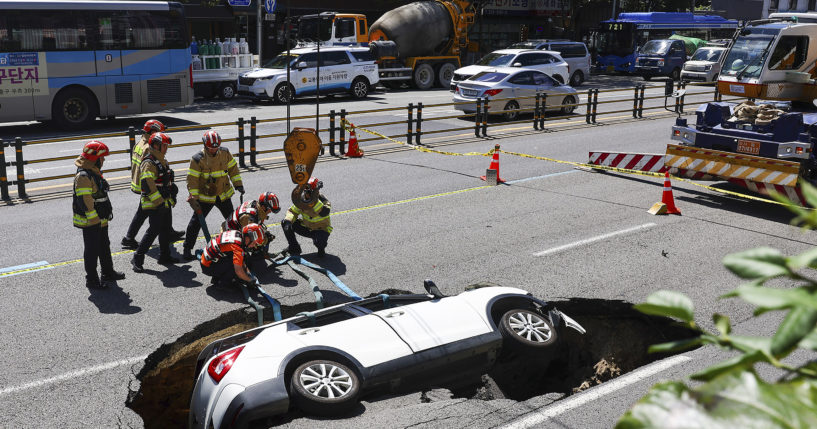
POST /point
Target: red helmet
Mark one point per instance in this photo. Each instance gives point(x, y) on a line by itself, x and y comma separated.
point(157, 139)
point(211, 139)
point(153, 126)
point(270, 201)
point(314, 184)
point(254, 232)
point(94, 150)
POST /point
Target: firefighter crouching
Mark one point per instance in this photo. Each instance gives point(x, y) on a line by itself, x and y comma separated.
point(224, 257)
point(158, 197)
point(139, 150)
point(313, 210)
point(92, 211)
point(208, 181)
point(255, 211)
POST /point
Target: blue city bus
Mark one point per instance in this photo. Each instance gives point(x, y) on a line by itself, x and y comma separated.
point(71, 61)
point(618, 40)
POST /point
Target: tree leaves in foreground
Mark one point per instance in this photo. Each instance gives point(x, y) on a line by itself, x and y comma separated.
point(730, 393)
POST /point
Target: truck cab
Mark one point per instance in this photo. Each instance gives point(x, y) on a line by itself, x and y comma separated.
point(662, 57)
point(333, 29)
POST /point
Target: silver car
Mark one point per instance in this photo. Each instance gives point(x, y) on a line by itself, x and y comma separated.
point(508, 89)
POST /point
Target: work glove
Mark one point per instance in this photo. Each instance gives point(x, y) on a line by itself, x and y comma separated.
point(240, 189)
point(286, 225)
point(324, 211)
point(269, 236)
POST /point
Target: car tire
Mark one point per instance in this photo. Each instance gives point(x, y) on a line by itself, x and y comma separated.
point(567, 109)
point(359, 88)
point(444, 75)
point(283, 93)
point(577, 78)
point(227, 91)
point(675, 75)
point(514, 115)
point(74, 108)
point(526, 329)
point(324, 387)
point(423, 76)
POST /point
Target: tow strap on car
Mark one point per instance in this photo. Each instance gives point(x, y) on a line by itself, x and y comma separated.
point(292, 260)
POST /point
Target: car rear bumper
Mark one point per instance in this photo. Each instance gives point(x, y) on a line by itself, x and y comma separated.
point(238, 406)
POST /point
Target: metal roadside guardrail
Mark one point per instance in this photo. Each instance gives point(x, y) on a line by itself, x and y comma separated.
point(417, 126)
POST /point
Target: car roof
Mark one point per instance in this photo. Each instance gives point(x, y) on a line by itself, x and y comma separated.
point(310, 49)
point(508, 70)
point(515, 51)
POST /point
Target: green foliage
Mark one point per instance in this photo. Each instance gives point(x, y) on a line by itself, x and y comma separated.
point(730, 394)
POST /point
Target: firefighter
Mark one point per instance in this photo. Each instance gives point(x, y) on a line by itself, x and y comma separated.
point(223, 258)
point(92, 211)
point(158, 197)
point(255, 211)
point(139, 149)
point(208, 181)
point(314, 220)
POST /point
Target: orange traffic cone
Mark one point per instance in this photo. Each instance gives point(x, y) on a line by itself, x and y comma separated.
point(354, 150)
point(667, 198)
point(494, 165)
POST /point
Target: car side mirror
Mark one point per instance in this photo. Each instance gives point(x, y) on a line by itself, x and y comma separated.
point(814, 102)
point(517, 65)
point(431, 288)
point(301, 65)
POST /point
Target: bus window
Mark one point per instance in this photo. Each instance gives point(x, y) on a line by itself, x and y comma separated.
point(790, 53)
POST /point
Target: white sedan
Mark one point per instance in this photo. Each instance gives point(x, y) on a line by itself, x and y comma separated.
point(324, 361)
point(548, 62)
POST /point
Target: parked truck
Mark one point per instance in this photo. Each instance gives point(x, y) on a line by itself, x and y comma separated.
point(216, 71)
point(419, 43)
point(768, 142)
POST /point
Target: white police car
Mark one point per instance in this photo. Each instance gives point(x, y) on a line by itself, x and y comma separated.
point(324, 361)
point(343, 69)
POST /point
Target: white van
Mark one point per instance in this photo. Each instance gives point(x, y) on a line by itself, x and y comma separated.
point(343, 69)
point(575, 53)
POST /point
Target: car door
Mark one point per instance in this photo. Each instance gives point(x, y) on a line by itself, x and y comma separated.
point(367, 338)
point(427, 324)
point(304, 79)
point(524, 88)
point(677, 56)
point(547, 85)
point(543, 62)
point(336, 70)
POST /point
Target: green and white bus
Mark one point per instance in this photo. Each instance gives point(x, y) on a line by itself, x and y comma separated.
point(72, 61)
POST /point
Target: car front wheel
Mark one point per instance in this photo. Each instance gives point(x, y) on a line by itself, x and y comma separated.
point(360, 88)
point(526, 329)
point(283, 93)
point(324, 387)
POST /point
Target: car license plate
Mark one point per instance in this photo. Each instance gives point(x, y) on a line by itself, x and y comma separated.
point(470, 92)
point(610, 69)
point(737, 89)
point(748, 146)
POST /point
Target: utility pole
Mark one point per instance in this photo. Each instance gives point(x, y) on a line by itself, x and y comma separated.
point(614, 10)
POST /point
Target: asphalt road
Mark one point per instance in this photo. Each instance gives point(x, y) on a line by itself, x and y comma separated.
point(69, 354)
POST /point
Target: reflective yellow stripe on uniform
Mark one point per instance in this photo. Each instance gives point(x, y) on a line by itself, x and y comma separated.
point(295, 210)
point(314, 219)
point(83, 191)
point(194, 192)
point(91, 214)
point(147, 175)
point(231, 163)
point(236, 178)
point(194, 173)
point(318, 206)
point(154, 196)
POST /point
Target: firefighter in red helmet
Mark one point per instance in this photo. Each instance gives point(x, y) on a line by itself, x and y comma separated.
point(92, 211)
point(223, 259)
point(311, 219)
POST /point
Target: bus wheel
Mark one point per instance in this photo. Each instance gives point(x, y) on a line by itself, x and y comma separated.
point(74, 108)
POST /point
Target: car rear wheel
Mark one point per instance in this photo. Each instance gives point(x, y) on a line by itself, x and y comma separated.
point(359, 88)
point(227, 91)
point(423, 76)
point(568, 105)
point(511, 111)
point(445, 74)
point(577, 78)
point(283, 93)
point(676, 74)
point(325, 387)
point(526, 329)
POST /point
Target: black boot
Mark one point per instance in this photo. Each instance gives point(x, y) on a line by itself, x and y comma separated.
point(138, 263)
point(113, 276)
point(321, 252)
point(294, 250)
point(176, 235)
point(188, 255)
point(129, 243)
point(94, 284)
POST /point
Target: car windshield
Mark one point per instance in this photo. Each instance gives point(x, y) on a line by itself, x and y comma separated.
point(488, 77)
point(495, 59)
point(655, 47)
point(279, 62)
point(524, 45)
point(749, 51)
point(703, 54)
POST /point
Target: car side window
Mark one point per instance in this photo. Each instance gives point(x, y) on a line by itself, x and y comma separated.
point(310, 59)
point(379, 303)
point(542, 79)
point(524, 59)
point(334, 58)
point(310, 320)
point(524, 78)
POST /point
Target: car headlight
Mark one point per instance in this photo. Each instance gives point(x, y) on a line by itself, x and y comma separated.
point(708, 67)
point(266, 78)
point(660, 62)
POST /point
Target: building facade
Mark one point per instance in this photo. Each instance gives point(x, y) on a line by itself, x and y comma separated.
point(772, 6)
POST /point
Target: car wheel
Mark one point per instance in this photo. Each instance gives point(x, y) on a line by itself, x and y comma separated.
point(74, 108)
point(577, 78)
point(559, 78)
point(283, 93)
point(568, 105)
point(676, 74)
point(227, 91)
point(526, 329)
point(359, 88)
point(423, 76)
point(511, 111)
point(324, 387)
point(445, 74)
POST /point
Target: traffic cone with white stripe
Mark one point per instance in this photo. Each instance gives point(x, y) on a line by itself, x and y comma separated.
point(354, 150)
point(667, 204)
point(494, 166)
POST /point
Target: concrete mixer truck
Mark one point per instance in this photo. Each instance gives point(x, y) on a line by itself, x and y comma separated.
point(419, 43)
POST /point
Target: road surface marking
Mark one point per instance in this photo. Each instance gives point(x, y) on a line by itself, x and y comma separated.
point(73, 374)
point(20, 269)
point(594, 239)
point(577, 400)
point(513, 182)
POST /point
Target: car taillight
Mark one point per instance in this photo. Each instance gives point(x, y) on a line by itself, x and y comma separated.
point(492, 92)
point(222, 363)
point(190, 70)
